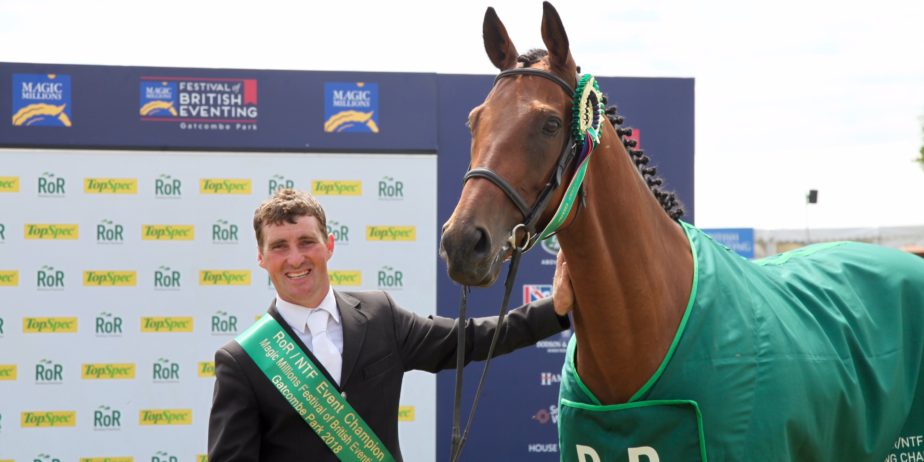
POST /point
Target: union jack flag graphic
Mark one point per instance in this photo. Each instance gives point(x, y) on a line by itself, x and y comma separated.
point(534, 292)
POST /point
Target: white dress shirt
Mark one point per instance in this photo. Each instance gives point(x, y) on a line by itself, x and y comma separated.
point(297, 318)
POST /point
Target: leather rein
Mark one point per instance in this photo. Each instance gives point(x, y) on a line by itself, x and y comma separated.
point(530, 219)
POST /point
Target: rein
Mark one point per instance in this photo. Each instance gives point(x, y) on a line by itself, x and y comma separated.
point(530, 218)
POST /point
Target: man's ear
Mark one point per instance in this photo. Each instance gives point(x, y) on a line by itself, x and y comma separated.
point(260, 256)
point(330, 246)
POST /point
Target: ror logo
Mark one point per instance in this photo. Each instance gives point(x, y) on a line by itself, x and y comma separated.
point(224, 232)
point(340, 231)
point(164, 370)
point(391, 189)
point(50, 185)
point(167, 187)
point(166, 278)
point(106, 418)
point(390, 278)
point(48, 278)
point(48, 372)
point(109, 232)
point(224, 323)
point(277, 182)
point(589, 454)
point(108, 325)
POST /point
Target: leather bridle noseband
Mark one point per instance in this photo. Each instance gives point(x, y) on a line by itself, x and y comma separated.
point(531, 214)
point(530, 219)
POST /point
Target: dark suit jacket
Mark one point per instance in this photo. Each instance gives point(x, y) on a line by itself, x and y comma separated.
point(251, 421)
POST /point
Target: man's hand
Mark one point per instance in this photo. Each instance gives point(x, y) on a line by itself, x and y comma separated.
point(562, 292)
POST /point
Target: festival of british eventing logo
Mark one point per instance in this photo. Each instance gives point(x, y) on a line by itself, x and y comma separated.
point(42, 100)
point(351, 107)
point(199, 103)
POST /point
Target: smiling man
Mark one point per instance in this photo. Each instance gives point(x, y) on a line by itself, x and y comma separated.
point(319, 377)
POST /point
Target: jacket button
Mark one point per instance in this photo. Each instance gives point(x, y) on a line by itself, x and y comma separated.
point(343, 394)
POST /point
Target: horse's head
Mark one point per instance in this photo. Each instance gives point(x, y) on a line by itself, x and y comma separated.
point(520, 134)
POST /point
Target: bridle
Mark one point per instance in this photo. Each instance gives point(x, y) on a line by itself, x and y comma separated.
point(530, 214)
point(530, 219)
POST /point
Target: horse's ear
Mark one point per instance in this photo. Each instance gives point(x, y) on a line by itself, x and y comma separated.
point(556, 41)
point(497, 43)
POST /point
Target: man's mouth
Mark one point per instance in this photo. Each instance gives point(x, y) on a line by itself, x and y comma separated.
point(298, 275)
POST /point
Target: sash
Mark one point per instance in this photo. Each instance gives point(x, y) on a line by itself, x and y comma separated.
point(313, 397)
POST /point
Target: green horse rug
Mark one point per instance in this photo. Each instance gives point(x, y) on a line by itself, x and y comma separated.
point(811, 355)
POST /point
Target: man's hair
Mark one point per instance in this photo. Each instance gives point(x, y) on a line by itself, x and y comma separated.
point(287, 205)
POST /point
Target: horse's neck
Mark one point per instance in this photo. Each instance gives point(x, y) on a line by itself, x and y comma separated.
point(631, 270)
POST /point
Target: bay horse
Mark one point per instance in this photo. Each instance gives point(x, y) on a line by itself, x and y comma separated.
point(682, 350)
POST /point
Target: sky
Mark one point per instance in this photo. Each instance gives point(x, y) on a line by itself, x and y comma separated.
point(791, 95)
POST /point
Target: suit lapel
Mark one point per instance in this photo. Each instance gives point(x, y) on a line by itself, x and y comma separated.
point(354, 333)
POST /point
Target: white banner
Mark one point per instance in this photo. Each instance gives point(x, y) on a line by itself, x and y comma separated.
point(122, 272)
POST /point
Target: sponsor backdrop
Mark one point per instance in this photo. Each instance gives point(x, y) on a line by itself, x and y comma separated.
point(127, 254)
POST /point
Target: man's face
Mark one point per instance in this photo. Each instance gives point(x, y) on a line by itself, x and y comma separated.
point(295, 256)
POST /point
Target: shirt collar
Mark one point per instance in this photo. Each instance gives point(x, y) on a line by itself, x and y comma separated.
point(297, 315)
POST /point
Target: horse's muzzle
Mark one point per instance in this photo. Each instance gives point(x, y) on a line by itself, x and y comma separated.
point(470, 256)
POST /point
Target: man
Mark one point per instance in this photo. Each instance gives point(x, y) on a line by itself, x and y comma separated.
point(271, 405)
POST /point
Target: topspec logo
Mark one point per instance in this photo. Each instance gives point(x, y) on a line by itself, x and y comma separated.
point(224, 186)
point(547, 415)
point(224, 232)
point(200, 103)
point(110, 185)
point(277, 182)
point(224, 278)
point(67, 325)
point(159, 324)
point(107, 371)
point(391, 189)
point(108, 325)
point(551, 247)
point(48, 278)
point(224, 323)
point(337, 188)
point(48, 372)
point(8, 278)
point(110, 278)
point(168, 232)
point(165, 417)
point(7, 372)
point(168, 187)
point(351, 107)
point(536, 292)
point(549, 378)
point(50, 185)
point(9, 184)
point(341, 232)
point(41, 100)
point(55, 232)
point(352, 278)
point(105, 418)
point(164, 371)
point(109, 232)
point(391, 233)
point(390, 278)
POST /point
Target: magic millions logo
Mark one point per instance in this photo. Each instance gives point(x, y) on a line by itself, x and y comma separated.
point(42, 100)
point(108, 325)
point(165, 417)
point(109, 232)
point(389, 278)
point(49, 278)
point(166, 278)
point(351, 107)
point(277, 182)
point(224, 278)
point(168, 187)
point(340, 231)
point(51, 185)
point(48, 372)
point(224, 323)
point(97, 278)
point(165, 371)
point(107, 418)
point(224, 232)
point(193, 103)
point(391, 233)
point(110, 185)
point(391, 189)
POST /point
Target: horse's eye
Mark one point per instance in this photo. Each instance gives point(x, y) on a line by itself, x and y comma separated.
point(551, 126)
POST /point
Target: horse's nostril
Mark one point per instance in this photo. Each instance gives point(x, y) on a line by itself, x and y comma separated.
point(483, 243)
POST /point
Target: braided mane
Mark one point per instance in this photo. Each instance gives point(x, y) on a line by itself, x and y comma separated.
point(667, 199)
